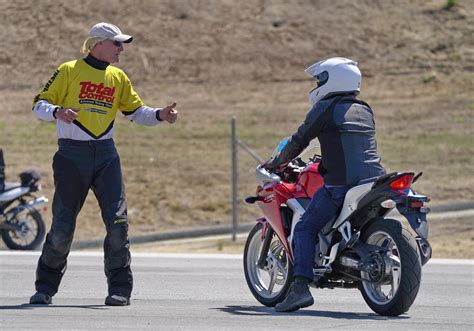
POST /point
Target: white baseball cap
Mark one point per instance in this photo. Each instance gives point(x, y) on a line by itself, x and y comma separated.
point(103, 31)
point(109, 31)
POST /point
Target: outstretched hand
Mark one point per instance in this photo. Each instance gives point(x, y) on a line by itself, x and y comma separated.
point(169, 114)
point(67, 115)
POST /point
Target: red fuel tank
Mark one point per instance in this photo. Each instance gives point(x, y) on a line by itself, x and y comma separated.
point(310, 179)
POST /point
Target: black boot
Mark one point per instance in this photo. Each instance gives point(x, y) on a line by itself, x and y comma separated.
point(40, 298)
point(298, 297)
point(117, 300)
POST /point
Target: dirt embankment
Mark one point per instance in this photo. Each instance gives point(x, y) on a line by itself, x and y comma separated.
point(245, 58)
point(228, 41)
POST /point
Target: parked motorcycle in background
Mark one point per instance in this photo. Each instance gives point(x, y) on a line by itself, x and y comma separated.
point(361, 248)
point(21, 225)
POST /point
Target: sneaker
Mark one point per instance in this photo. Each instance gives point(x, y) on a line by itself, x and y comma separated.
point(298, 297)
point(117, 300)
point(40, 298)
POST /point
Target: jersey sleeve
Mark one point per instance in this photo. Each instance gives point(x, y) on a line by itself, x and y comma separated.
point(129, 99)
point(134, 109)
point(55, 89)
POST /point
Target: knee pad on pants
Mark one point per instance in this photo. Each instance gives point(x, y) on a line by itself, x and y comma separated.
point(116, 247)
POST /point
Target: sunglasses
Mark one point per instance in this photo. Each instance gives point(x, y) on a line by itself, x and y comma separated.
point(117, 43)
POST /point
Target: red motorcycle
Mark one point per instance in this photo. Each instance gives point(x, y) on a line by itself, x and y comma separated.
point(361, 248)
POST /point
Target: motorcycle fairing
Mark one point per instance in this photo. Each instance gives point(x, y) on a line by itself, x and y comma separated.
point(351, 202)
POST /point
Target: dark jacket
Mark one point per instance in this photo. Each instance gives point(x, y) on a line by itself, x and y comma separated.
point(345, 128)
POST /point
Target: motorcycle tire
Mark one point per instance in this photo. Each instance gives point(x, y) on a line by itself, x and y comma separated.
point(16, 239)
point(278, 270)
point(405, 272)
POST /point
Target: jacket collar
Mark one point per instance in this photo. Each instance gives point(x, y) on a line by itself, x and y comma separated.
point(96, 63)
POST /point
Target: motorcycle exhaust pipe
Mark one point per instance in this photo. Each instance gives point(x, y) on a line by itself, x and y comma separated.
point(37, 202)
point(349, 262)
point(425, 249)
point(10, 227)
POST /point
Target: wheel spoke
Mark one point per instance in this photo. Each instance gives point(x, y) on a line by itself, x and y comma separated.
point(273, 278)
point(280, 267)
point(386, 243)
point(396, 274)
point(395, 260)
point(378, 290)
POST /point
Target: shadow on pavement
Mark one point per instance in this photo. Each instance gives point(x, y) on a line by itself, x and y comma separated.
point(27, 306)
point(261, 311)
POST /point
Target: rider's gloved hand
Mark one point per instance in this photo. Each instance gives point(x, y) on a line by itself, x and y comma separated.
point(269, 165)
point(272, 165)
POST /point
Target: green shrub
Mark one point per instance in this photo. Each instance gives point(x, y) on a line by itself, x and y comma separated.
point(451, 3)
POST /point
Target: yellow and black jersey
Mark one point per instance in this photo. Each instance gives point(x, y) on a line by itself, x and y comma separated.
point(98, 93)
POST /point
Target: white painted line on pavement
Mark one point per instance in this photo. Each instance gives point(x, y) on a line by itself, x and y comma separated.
point(199, 256)
point(137, 254)
point(451, 261)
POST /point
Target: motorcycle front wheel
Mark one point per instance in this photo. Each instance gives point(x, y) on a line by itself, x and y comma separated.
point(393, 278)
point(270, 284)
point(31, 234)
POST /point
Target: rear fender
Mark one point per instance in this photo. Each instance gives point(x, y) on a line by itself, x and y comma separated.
point(416, 215)
point(417, 221)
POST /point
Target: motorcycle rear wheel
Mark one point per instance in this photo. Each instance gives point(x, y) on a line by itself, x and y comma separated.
point(30, 236)
point(271, 284)
point(394, 293)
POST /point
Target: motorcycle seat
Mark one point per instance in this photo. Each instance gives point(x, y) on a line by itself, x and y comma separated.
point(13, 192)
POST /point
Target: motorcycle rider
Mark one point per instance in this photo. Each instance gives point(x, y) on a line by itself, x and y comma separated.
point(345, 129)
point(83, 97)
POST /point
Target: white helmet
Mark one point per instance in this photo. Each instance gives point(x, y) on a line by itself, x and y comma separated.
point(334, 75)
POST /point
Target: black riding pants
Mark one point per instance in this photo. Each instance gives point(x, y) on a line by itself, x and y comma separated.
point(79, 166)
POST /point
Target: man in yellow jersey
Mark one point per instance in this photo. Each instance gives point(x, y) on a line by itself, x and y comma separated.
point(83, 97)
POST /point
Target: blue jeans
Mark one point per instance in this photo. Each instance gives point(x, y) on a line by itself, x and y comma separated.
point(324, 206)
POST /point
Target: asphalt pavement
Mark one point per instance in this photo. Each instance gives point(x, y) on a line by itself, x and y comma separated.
point(209, 292)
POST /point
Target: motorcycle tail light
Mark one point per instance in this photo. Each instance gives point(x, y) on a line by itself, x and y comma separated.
point(402, 183)
point(416, 204)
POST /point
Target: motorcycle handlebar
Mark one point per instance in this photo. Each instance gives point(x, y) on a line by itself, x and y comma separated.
point(265, 176)
point(287, 173)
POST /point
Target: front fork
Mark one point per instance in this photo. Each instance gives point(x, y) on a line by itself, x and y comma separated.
point(267, 235)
